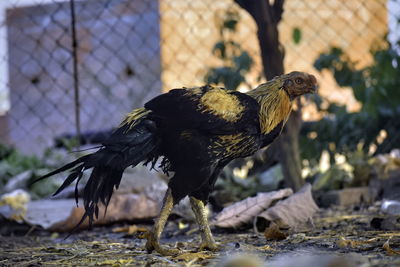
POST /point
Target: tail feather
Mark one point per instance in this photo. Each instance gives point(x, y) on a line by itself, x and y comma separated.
point(75, 173)
point(127, 146)
point(62, 169)
point(76, 187)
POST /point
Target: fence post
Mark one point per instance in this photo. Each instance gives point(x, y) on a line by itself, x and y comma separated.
point(75, 72)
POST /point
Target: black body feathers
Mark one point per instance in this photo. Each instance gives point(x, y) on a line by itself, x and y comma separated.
point(197, 131)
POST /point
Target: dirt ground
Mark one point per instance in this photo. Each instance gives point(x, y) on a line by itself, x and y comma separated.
point(338, 238)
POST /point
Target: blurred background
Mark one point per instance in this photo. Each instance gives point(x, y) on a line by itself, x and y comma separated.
point(70, 70)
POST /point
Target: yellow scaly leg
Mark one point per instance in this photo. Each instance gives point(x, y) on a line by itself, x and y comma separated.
point(153, 237)
point(207, 240)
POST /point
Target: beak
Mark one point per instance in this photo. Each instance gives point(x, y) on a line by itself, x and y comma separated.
point(314, 84)
point(314, 88)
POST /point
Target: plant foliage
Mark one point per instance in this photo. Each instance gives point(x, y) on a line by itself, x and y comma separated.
point(377, 88)
point(235, 61)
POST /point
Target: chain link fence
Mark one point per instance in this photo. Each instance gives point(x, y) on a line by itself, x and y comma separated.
point(128, 51)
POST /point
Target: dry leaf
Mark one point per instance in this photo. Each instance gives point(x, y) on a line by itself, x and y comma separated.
point(273, 232)
point(389, 250)
point(266, 247)
point(390, 235)
point(15, 203)
point(193, 256)
point(244, 211)
point(130, 229)
point(344, 243)
point(298, 238)
point(120, 262)
point(292, 212)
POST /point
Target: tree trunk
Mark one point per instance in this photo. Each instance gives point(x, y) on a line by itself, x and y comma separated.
point(267, 16)
point(290, 152)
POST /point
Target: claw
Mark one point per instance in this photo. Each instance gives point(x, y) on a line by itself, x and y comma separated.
point(211, 246)
point(153, 237)
point(150, 246)
point(154, 244)
point(169, 251)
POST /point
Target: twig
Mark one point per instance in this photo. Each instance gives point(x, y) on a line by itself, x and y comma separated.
point(33, 227)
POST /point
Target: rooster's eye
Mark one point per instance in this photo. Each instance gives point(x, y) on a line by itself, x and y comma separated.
point(299, 81)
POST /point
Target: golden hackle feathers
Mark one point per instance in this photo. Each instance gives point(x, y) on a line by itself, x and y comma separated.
point(218, 102)
point(274, 97)
point(232, 145)
point(274, 103)
point(134, 117)
point(274, 108)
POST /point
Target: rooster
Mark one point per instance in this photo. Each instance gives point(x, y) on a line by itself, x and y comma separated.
point(195, 132)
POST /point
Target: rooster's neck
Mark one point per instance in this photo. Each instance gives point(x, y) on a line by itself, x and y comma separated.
point(275, 107)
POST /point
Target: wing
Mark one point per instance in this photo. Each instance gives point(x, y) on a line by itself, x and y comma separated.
point(211, 109)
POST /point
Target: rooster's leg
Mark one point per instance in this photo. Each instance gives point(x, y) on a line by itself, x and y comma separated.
point(207, 240)
point(153, 237)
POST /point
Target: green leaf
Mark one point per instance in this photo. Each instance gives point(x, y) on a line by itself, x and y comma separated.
point(329, 60)
point(227, 76)
point(231, 20)
point(230, 24)
point(243, 62)
point(296, 35)
point(236, 61)
point(219, 50)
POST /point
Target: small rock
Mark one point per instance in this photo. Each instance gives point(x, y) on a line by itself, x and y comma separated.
point(391, 186)
point(346, 197)
point(270, 179)
point(18, 181)
point(388, 223)
point(391, 207)
point(47, 213)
